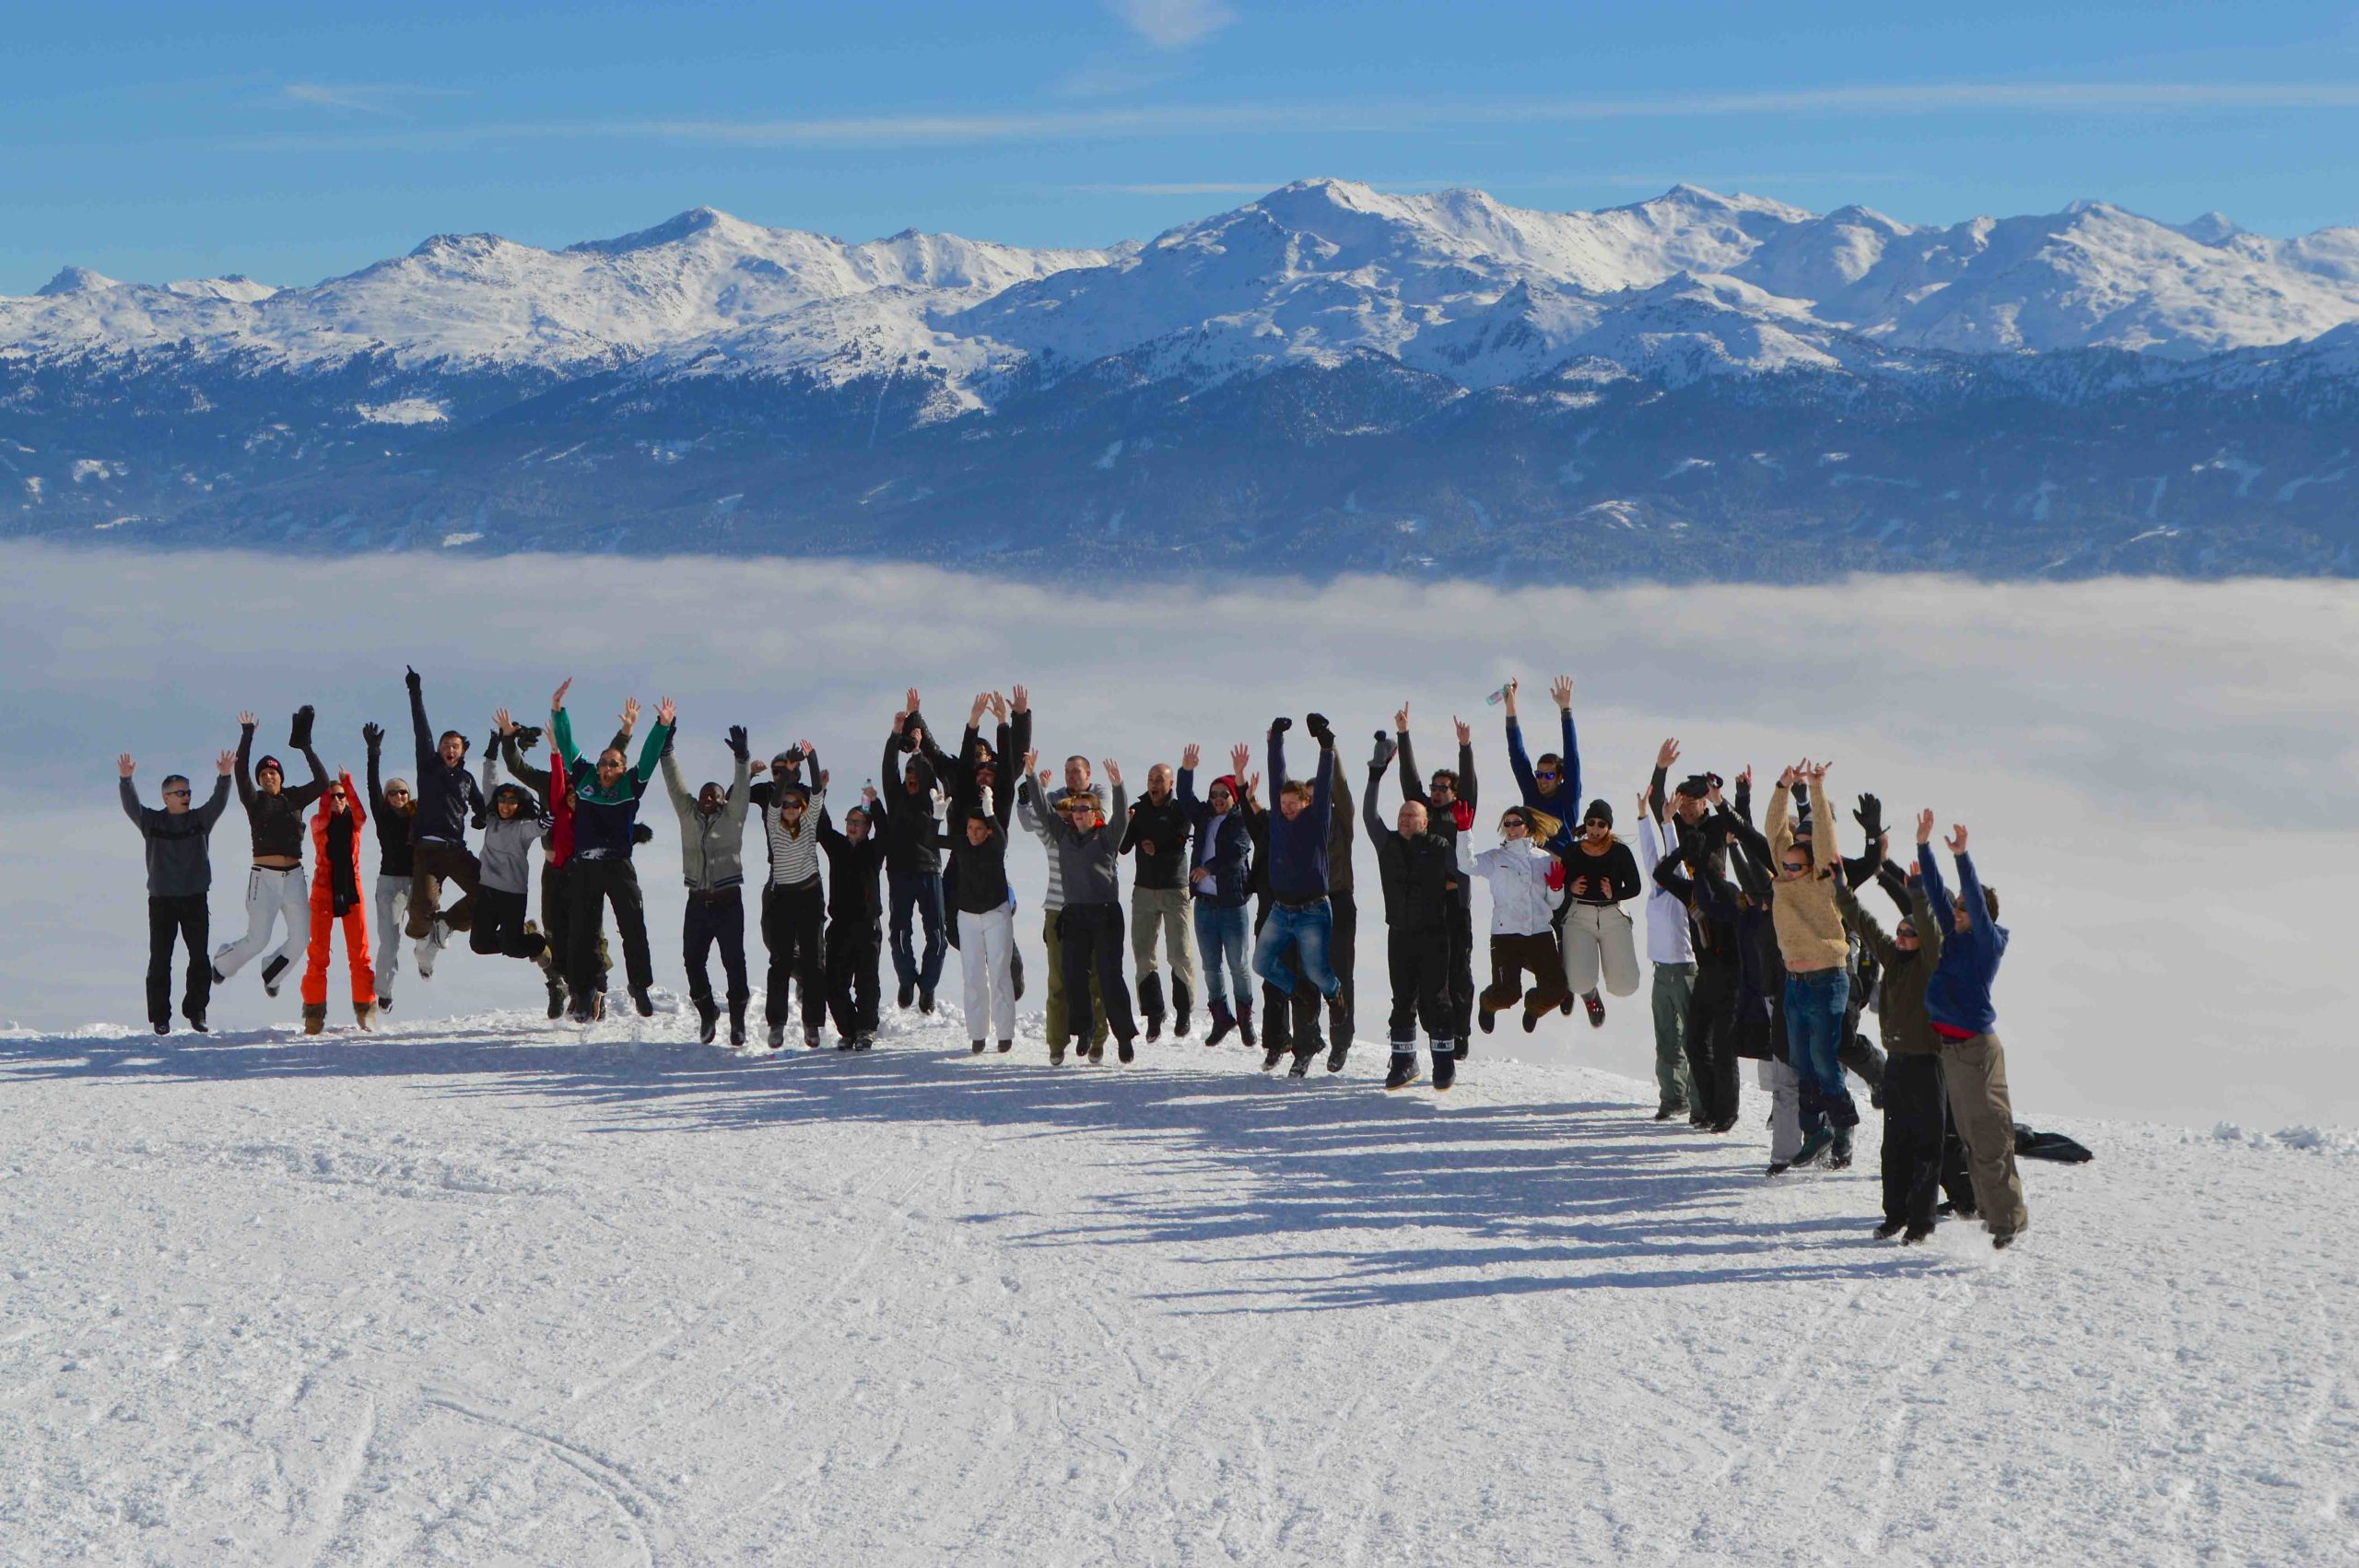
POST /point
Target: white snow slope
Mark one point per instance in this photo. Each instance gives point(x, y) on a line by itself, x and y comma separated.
point(474, 1292)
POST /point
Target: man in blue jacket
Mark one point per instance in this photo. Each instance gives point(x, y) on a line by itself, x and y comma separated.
point(1301, 915)
point(1220, 878)
point(1957, 1000)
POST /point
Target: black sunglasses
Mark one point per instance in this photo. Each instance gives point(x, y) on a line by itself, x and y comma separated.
point(1545, 773)
point(176, 791)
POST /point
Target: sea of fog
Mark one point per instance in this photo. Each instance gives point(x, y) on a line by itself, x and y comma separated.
point(2162, 778)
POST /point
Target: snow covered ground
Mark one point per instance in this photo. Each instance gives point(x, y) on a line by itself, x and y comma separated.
point(480, 1291)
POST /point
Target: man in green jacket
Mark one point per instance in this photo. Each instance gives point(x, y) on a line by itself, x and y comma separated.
point(605, 812)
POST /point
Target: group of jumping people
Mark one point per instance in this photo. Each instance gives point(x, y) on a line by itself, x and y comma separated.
point(1760, 948)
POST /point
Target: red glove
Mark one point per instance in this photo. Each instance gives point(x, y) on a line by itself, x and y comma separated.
point(1555, 876)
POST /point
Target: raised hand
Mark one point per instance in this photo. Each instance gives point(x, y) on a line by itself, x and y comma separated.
point(1646, 803)
point(499, 720)
point(901, 721)
point(372, 735)
point(1189, 755)
point(1744, 779)
point(910, 700)
point(1667, 754)
point(1712, 788)
point(246, 719)
point(823, 779)
point(223, 763)
point(1785, 778)
point(975, 711)
point(1045, 779)
point(1113, 771)
point(1818, 778)
point(999, 708)
point(1019, 700)
point(1032, 761)
point(631, 713)
point(123, 765)
point(556, 700)
point(868, 796)
point(1252, 785)
point(1513, 683)
point(1281, 724)
point(1240, 757)
point(1869, 816)
point(1957, 841)
point(1382, 758)
point(1465, 732)
point(1925, 825)
point(1561, 688)
point(1401, 718)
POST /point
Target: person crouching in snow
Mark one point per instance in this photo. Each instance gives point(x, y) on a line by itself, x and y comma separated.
point(1527, 887)
point(335, 896)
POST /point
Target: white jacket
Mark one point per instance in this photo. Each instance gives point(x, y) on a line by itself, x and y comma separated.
point(1668, 939)
point(1520, 896)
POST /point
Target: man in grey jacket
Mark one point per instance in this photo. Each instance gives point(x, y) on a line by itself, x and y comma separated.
point(712, 863)
point(1090, 927)
point(180, 872)
point(1037, 809)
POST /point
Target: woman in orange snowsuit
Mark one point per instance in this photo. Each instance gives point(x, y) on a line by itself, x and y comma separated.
point(335, 895)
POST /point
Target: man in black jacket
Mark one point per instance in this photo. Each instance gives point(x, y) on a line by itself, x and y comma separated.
point(855, 930)
point(1449, 801)
point(392, 811)
point(275, 888)
point(180, 872)
point(1157, 835)
point(448, 800)
point(1421, 884)
point(913, 770)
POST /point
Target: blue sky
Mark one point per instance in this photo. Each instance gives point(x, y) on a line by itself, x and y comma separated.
point(290, 142)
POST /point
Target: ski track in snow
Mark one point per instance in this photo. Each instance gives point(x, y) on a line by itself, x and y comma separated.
point(480, 1290)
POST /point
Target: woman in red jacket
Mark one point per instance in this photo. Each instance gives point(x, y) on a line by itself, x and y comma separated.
point(335, 895)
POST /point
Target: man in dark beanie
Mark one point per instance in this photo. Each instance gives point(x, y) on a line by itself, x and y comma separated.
point(274, 888)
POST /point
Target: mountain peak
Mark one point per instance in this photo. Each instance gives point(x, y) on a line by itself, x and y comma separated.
point(76, 280)
point(685, 226)
point(2212, 228)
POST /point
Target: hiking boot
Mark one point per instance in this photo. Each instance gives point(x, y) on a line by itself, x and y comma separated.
point(864, 1042)
point(1839, 1157)
point(1914, 1235)
point(708, 1019)
point(736, 1023)
point(1486, 1017)
point(270, 973)
point(1888, 1230)
point(908, 994)
point(1006, 1047)
point(1403, 1070)
point(1336, 1053)
point(1122, 1048)
point(778, 1036)
point(556, 997)
point(642, 1000)
point(316, 1017)
point(1301, 1067)
point(1445, 1070)
point(925, 999)
point(1814, 1145)
point(1596, 1005)
point(1223, 1021)
point(1272, 1057)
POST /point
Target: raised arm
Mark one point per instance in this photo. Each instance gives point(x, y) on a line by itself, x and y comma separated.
point(1413, 782)
point(1928, 871)
point(658, 735)
point(420, 732)
point(245, 755)
point(682, 802)
point(1278, 728)
point(1466, 787)
point(1562, 690)
point(1378, 833)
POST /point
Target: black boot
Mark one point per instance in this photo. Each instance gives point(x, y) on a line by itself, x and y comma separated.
point(1223, 1021)
point(556, 997)
point(737, 1021)
point(1339, 1034)
point(1445, 1066)
point(1277, 1035)
point(1245, 1019)
point(642, 1000)
point(1180, 1001)
point(907, 994)
point(1015, 972)
point(270, 973)
point(1403, 1070)
point(1304, 1025)
point(1151, 1005)
point(708, 1018)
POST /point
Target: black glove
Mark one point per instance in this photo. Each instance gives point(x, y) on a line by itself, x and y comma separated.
point(492, 744)
point(1869, 816)
point(1384, 750)
point(642, 834)
point(1281, 724)
point(1317, 724)
point(410, 680)
point(528, 736)
point(374, 734)
point(478, 820)
point(739, 747)
point(299, 735)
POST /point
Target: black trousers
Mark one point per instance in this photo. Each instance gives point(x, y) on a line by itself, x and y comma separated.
point(793, 929)
point(1420, 964)
point(718, 916)
point(1090, 940)
point(185, 916)
point(499, 926)
point(1342, 947)
point(597, 884)
point(855, 952)
point(1710, 1044)
point(1862, 1057)
point(1915, 1134)
point(1461, 971)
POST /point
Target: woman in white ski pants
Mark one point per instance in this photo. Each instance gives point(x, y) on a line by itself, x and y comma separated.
point(986, 956)
point(272, 893)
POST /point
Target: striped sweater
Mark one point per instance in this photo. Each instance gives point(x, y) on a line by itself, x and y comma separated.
point(794, 858)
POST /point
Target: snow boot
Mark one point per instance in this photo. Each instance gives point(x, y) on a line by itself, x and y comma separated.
point(642, 1000)
point(316, 1017)
point(1276, 1012)
point(1596, 1005)
point(1914, 1235)
point(1151, 1005)
point(556, 997)
point(1445, 1066)
point(1006, 1047)
point(1245, 1019)
point(1339, 1034)
point(908, 994)
point(778, 1036)
point(270, 973)
point(1838, 1158)
point(1122, 1048)
point(1305, 1024)
point(1814, 1145)
point(365, 1014)
point(1485, 1018)
point(1179, 1002)
point(925, 999)
point(1301, 1067)
point(1223, 1021)
point(1274, 1055)
point(737, 1022)
point(1403, 1069)
point(1889, 1229)
point(708, 1018)
point(974, 1048)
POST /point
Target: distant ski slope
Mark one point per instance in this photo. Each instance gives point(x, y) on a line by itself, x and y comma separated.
point(474, 1291)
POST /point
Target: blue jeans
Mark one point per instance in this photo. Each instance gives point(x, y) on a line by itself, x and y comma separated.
point(1220, 937)
point(916, 891)
point(1307, 929)
point(1816, 1000)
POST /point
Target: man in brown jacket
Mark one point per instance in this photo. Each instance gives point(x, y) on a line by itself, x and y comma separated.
point(1817, 956)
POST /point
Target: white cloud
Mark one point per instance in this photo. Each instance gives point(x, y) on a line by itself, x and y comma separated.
point(1173, 24)
point(2177, 901)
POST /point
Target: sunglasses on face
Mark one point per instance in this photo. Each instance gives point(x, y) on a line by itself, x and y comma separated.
point(337, 795)
point(1545, 773)
point(1795, 868)
point(397, 794)
point(176, 791)
point(1906, 934)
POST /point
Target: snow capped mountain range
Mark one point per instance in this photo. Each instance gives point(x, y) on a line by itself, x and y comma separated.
point(706, 325)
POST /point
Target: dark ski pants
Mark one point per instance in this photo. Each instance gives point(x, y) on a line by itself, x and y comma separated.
point(1710, 1044)
point(1511, 956)
point(717, 915)
point(1419, 961)
point(499, 926)
point(434, 861)
point(1342, 947)
point(917, 894)
point(854, 948)
point(793, 929)
point(1916, 1127)
point(186, 918)
point(1056, 1002)
point(1090, 939)
point(597, 883)
point(1461, 998)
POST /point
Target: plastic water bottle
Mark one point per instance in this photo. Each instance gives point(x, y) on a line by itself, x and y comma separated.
point(1496, 697)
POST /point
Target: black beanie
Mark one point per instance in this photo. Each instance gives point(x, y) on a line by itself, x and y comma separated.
point(1599, 811)
point(1695, 786)
point(270, 765)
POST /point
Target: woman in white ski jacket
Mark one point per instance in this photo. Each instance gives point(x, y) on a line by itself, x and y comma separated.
point(1527, 885)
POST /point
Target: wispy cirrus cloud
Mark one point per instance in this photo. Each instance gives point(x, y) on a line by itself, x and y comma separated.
point(362, 98)
point(1173, 24)
point(1348, 117)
